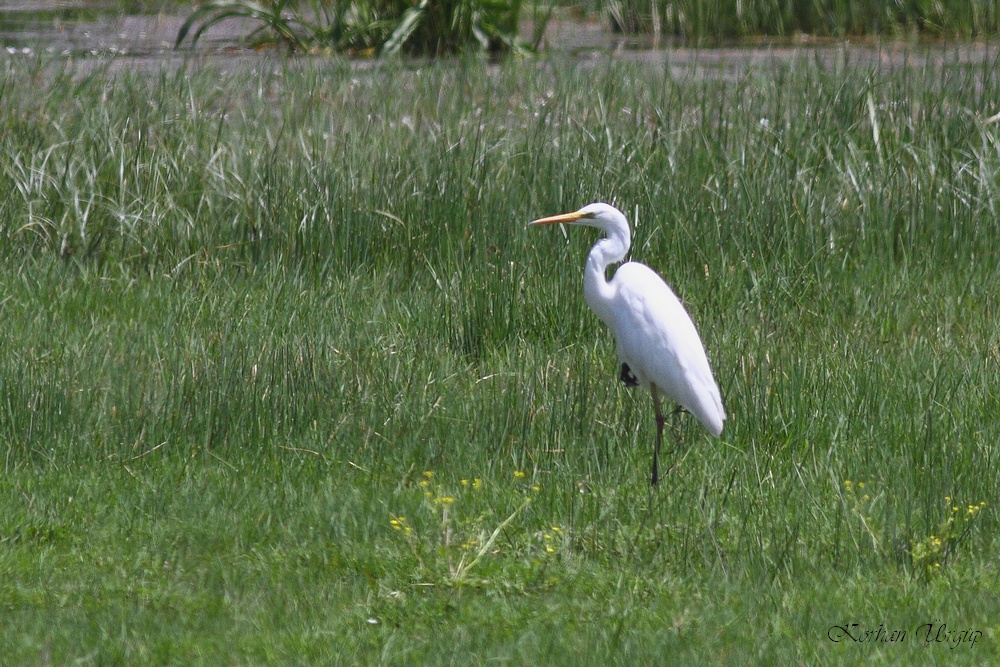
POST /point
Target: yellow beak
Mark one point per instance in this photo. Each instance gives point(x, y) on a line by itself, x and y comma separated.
point(565, 217)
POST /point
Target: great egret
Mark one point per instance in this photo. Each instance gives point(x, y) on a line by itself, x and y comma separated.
point(658, 346)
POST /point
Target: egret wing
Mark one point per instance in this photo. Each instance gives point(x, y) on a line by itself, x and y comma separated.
point(659, 342)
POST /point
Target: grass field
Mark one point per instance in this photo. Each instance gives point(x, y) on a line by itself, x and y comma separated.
point(285, 379)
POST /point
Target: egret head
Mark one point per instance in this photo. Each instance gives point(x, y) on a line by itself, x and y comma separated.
point(605, 217)
point(593, 215)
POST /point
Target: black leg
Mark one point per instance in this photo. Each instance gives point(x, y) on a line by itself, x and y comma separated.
point(659, 434)
point(628, 377)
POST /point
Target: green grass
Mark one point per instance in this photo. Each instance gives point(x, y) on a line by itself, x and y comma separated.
point(245, 314)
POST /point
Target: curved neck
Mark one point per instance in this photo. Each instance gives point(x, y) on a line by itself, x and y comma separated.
point(596, 290)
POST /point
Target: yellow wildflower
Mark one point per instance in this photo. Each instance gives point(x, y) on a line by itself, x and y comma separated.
point(400, 524)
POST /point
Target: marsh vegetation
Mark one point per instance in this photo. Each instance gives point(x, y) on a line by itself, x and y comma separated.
point(285, 378)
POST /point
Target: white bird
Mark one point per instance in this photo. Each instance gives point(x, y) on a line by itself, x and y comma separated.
point(658, 345)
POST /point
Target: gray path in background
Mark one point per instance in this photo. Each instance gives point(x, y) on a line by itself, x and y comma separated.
point(29, 28)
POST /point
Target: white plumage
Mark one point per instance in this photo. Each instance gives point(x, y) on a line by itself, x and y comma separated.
point(657, 340)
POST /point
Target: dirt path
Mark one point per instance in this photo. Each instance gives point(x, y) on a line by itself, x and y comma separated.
point(145, 42)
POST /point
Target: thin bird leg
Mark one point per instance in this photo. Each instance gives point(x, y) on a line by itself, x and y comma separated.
point(659, 434)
